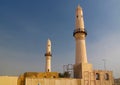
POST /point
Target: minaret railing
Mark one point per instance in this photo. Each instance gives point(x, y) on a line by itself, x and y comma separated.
point(79, 31)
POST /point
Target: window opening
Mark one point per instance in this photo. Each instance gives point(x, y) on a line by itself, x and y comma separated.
point(106, 76)
point(97, 76)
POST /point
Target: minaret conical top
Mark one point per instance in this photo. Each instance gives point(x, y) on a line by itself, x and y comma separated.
point(48, 46)
point(79, 6)
point(79, 18)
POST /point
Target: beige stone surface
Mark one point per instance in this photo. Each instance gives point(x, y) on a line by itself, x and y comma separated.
point(49, 81)
point(81, 69)
point(102, 78)
point(36, 75)
point(7, 80)
point(48, 64)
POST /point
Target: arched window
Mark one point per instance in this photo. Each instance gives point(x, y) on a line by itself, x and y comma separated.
point(97, 76)
point(106, 76)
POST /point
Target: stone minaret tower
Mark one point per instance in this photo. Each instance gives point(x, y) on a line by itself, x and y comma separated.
point(48, 56)
point(80, 35)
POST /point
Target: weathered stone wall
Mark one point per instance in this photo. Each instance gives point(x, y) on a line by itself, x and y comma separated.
point(103, 77)
point(95, 77)
point(80, 69)
point(36, 75)
point(52, 81)
point(6, 80)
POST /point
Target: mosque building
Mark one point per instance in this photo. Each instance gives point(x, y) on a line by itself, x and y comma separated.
point(84, 74)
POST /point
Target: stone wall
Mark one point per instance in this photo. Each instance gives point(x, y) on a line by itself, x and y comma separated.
point(52, 81)
point(36, 75)
point(103, 77)
point(6, 80)
point(95, 77)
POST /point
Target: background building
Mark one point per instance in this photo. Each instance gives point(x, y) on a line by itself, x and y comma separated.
point(117, 81)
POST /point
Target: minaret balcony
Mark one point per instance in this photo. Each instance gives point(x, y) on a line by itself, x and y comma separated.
point(79, 31)
point(48, 54)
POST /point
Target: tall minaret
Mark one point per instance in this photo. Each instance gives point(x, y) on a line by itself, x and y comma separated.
point(81, 64)
point(80, 34)
point(48, 56)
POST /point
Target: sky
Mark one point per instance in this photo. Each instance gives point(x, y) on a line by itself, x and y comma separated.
point(25, 26)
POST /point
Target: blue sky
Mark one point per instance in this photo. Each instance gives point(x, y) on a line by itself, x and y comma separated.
point(25, 26)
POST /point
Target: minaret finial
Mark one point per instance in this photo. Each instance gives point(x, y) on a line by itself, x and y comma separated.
point(79, 6)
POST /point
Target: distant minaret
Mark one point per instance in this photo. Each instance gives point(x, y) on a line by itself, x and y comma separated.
point(48, 56)
point(80, 34)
